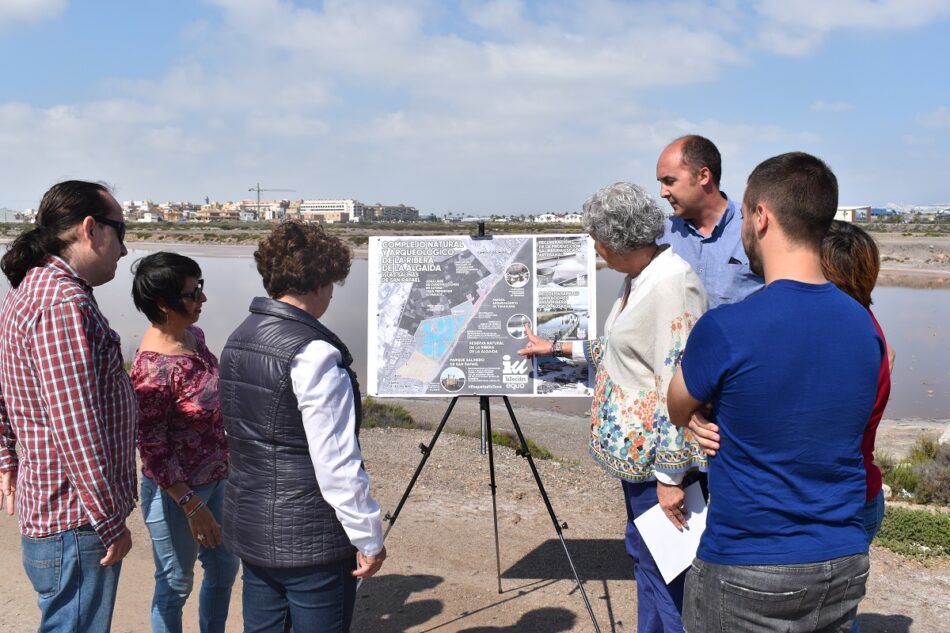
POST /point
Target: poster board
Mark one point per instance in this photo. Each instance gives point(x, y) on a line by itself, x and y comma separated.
point(447, 314)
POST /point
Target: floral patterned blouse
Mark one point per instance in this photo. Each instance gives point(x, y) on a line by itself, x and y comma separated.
point(181, 431)
point(632, 437)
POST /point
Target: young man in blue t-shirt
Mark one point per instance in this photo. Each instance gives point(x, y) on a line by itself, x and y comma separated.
point(791, 373)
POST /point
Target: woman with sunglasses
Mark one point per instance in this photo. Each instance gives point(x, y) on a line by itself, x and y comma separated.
point(182, 444)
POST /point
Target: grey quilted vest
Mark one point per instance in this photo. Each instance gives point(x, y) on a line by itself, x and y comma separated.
point(274, 514)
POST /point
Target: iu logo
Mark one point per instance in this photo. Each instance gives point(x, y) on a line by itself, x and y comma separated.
point(516, 367)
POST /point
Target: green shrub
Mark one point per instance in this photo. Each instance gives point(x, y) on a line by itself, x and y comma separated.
point(510, 440)
point(924, 450)
point(918, 534)
point(359, 240)
point(925, 473)
point(376, 414)
point(902, 477)
point(934, 484)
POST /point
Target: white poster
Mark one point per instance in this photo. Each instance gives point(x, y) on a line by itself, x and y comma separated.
point(450, 314)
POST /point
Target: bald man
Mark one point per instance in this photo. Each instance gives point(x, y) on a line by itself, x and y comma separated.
point(705, 226)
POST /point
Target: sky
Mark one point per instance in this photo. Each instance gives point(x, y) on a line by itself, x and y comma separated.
point(470, 107)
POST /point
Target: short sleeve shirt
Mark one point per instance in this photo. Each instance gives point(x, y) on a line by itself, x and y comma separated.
point(792, 373)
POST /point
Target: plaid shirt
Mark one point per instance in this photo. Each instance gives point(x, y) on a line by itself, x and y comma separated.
point(67, 409)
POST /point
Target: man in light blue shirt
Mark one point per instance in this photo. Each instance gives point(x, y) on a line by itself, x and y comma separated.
point(705, 226)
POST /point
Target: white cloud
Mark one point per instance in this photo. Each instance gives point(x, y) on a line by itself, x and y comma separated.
point(29, 11)
point(830, 106)
point(290, 126)
point(939, 118)
point(822, 15)
point(798, 28)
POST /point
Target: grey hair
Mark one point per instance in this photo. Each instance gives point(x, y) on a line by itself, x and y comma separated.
point(623, 217)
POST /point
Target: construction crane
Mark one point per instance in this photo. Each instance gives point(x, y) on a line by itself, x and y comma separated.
point(259, 190)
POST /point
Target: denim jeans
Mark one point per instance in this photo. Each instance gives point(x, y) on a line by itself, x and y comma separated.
point(75, 592)
point(317, 597)
point(872, 514)
point(818, 597)
point(175, 551)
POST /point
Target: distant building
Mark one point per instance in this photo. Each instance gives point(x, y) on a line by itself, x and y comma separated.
point(853, 214)
point(562, 218)
point(266, 210)
point(134, 210)
point(388, 213)
point(151, 216)
point(329, 211)
point(217, 212)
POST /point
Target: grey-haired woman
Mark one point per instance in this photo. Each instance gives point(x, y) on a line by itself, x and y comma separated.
point(632, 438)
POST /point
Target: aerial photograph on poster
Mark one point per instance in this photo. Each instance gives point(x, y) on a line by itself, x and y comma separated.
point(450, 314)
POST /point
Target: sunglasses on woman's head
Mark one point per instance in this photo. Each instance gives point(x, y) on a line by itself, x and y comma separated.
point(195, 294)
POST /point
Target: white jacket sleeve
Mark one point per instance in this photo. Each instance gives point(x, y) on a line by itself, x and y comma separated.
point(325, 400)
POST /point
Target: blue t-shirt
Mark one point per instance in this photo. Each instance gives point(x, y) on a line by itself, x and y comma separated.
point(792, 374)
point(719, 260)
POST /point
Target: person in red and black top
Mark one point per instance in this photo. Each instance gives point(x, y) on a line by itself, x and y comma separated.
point(850, 260)
point(67, 409)
point(182, 444)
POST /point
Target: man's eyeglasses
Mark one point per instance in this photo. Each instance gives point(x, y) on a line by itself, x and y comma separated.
point(195, 294)
point(116, 224)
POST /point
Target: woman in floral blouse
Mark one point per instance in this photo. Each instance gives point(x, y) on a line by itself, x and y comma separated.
point(182, 444)
point(645, 333)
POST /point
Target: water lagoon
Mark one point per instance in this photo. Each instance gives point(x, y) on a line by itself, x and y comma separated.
point(913, 319)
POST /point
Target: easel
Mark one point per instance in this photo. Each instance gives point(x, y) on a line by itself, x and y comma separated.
point(487, 448)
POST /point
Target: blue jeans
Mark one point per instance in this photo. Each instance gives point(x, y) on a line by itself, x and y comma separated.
point(76, 593)
point(658, 604)
point(317, 597)
point(817, 597)
point(175, 551)
point(872, 514)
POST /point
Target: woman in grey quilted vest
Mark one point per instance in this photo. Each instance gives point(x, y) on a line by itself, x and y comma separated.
point(297, 509)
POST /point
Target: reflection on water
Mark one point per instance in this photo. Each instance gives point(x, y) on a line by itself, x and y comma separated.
point(913, 319)
point(916, 326)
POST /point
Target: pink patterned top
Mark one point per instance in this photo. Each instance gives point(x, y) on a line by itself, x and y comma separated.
point(181, 431)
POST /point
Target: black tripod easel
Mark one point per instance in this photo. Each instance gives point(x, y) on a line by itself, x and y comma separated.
point(525, 452)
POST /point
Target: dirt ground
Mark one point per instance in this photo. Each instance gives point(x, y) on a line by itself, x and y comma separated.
point(914, 261)
point(441, 574)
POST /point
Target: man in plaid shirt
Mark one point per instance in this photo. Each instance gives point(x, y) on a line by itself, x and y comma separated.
point(67, 410)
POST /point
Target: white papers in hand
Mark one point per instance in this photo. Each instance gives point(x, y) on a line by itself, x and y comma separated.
point(673, 550)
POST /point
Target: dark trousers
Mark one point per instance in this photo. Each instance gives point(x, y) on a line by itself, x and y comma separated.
point(316, 598)
point(659, 605)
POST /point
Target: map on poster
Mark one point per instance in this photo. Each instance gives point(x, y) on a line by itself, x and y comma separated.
point(450, 314)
